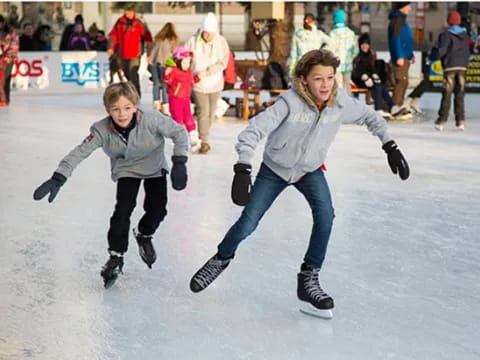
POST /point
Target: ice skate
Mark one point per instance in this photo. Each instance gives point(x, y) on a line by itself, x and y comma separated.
point(208, 273)
point(166, 109)
point(145, 248)
point(112, 268)
point(314, 301)
point(384, 114)
point(194, 142)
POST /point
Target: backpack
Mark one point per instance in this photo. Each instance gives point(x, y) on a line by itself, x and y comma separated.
point(230, 72)
point(274, 78)
point(253, 79)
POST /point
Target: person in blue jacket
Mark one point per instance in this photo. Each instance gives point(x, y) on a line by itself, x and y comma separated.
point(301, 125)
point(400, 44)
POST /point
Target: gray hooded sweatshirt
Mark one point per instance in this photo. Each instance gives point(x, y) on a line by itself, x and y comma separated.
point(299, 135)
point(142, 156)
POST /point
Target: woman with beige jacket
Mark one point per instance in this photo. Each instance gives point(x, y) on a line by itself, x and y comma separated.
point(210, 58)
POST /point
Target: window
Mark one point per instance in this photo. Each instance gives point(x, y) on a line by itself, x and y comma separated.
point(204, 7)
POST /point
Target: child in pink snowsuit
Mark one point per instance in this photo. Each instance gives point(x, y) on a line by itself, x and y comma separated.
point(179, 80)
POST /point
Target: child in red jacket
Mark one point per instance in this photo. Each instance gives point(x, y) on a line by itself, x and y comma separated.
point(179, 80)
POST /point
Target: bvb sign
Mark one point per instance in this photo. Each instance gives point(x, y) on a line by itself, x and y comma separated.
point(435, 75)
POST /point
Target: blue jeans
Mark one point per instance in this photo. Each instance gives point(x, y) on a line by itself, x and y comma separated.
point(159, 87)
point(380, 93)
point(266, 188)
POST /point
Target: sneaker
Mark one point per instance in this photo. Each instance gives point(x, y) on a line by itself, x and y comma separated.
point(145, 248)
point(384, 114)
point(461, 126)
point(208, 273)
point(439, 127)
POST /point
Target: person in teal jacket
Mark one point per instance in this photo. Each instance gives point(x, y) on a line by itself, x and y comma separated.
point(135, 142)
point(300, 127)
point(400, 44)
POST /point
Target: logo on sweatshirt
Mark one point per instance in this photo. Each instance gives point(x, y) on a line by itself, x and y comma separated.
point(88, 139)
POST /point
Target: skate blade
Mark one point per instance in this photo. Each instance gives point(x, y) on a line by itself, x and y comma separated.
point(109, 283)
point(309, 309)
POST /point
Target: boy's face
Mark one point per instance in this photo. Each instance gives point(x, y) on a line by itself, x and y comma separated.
point(320, 82)
point(122, 111)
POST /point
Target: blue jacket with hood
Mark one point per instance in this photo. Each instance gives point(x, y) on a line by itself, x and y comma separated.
point(400, 39)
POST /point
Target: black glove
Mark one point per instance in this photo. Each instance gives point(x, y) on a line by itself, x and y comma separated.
point(396, 160)
point(51, 186)
point(241, 184)
point(179, 172)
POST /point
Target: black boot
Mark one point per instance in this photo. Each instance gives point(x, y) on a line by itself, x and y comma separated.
point(208, 272)
point(145, 248)
point(309, 290)
point(110, 271)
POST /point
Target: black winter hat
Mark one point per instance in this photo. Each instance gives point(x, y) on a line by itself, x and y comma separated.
point(364, 39)
point(401, 4)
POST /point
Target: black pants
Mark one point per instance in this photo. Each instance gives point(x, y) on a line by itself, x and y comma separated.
point(8, 80)
point(420, 89)
point(380, 93)
point(453, 82)
point(155, 206)
point(130, 69)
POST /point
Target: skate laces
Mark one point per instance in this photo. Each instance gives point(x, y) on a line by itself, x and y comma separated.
point(210, 271)
point(312, 285)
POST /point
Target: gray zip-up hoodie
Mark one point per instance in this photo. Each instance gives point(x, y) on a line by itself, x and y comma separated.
point(299, 135)
point(142, 156)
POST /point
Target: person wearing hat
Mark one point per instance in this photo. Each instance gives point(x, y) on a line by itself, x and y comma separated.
point(400, 43)
point(309, 37)
point(367, 74)
point(344, 45)
point(210, 57)
point(454, 54)
point(129, 33)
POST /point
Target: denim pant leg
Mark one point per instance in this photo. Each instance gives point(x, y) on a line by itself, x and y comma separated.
point(156, 81)
point(314, 187)
point(162, 87)
point(377, 96)
point(265, 190)
point(386, 96)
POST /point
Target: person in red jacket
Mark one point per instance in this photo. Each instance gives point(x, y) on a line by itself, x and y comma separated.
point(179, 80)
point(128, 34)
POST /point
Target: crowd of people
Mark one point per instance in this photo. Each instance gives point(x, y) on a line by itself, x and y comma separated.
point(211, 59)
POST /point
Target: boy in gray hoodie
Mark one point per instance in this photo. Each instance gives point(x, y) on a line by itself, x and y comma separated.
point(300, 127)
point(135, 141)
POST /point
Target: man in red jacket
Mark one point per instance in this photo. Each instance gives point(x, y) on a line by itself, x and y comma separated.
point(126, 37)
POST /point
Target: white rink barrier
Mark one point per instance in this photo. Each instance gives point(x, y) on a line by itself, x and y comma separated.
point(68, 72)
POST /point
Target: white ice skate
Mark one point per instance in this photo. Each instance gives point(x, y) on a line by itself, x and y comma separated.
point(309, 309)
point(195, 142)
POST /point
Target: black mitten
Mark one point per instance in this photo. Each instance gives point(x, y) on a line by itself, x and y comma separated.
point(51, 186)
point(241, 184)
point(396, 160)
point(179, 172)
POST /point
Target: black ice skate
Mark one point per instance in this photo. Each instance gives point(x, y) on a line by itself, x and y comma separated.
point(208, 273)
point(145, 248)
point(111, 270)
point(315, 301)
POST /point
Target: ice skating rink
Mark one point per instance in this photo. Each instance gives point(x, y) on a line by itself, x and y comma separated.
point(403, 264)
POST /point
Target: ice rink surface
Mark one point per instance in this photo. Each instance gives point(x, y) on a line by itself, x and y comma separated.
point(403, 263)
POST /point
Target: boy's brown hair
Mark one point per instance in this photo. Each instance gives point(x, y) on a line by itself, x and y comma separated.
point(315, 57)
point(115, 91)
point(305, 65)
